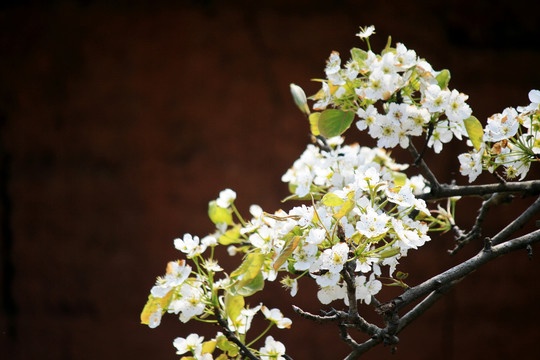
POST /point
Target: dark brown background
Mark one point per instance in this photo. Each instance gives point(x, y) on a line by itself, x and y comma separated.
point(120, 122)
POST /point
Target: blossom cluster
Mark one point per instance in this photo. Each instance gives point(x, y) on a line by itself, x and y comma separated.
point(359, 213)
point(396, 95)
point(510, 139)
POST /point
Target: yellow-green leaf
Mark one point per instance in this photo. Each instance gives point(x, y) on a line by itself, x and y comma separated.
point(250, 288)
point(475, 131)
point(359, 55)
point(314, 123)
point(208, 347)
point(288, 248)
point(219, 215)
point(332, 200)
point(231, 236)
point(250, 268)
point(227, 346)
point(233, 305)
point(334, 122)
point(399, 178)
point(153, 304)
point(347, 206)
point(443, 78)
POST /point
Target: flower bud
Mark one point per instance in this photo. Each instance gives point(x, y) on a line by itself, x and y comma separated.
point(300, 99)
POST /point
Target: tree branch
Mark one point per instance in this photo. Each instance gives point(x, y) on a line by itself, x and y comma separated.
point(444, 191)
point(465, 268)
point(440, 284)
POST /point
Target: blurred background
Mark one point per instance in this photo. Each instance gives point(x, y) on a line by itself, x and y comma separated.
point(120, 121)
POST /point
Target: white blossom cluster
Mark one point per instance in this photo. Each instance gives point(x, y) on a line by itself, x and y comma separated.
point(511, 139)
point(395, 95)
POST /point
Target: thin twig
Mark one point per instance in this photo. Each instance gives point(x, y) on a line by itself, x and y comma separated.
point(317, 318)
point(518, 223)
point(433, 182)
point(476, 231)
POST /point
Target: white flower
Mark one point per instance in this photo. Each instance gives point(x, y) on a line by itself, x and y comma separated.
point(190, 245)
point(365, 290)
point(226, 198)
point(327, 294)
point(305, 256)
point(372, 224)
point(471, 164)
point(315, 236)
point(441, 134)
point(367, 117)
point(190, 303)
point(435, 99)
point(333, 259)
point(405, 58)
point(366, 32)
point(456, 109)
point(501, 126)
point(277, 317)
point(272, 350)
point(177, 273)
point(193, 343)
point(386, 130)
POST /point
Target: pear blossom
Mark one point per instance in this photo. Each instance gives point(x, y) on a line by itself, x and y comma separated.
point(435, 99)
point(193, 343)
point(471, 164)
point(190, 245)
point(372, 224)
point(189, 303)
point(366, 289)
point(327, 294)
point(333, 259)
point(226, 198)
point(368, 117)
point(305, 256)
point(276, 317)
point(441, 135)
point(272, 350)
point(366, 32)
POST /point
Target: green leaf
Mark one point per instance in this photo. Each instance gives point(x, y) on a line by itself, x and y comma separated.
point(475, 131)
point(233, 305)
point(288, 248)
point(359, 55)
point(443, 78)
point(332, 200)
point(231, 236)
point(250, 268)
point(314, 123)
point(334, 122)
point(227, 346)
point(256, 284)
point(219, 215)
